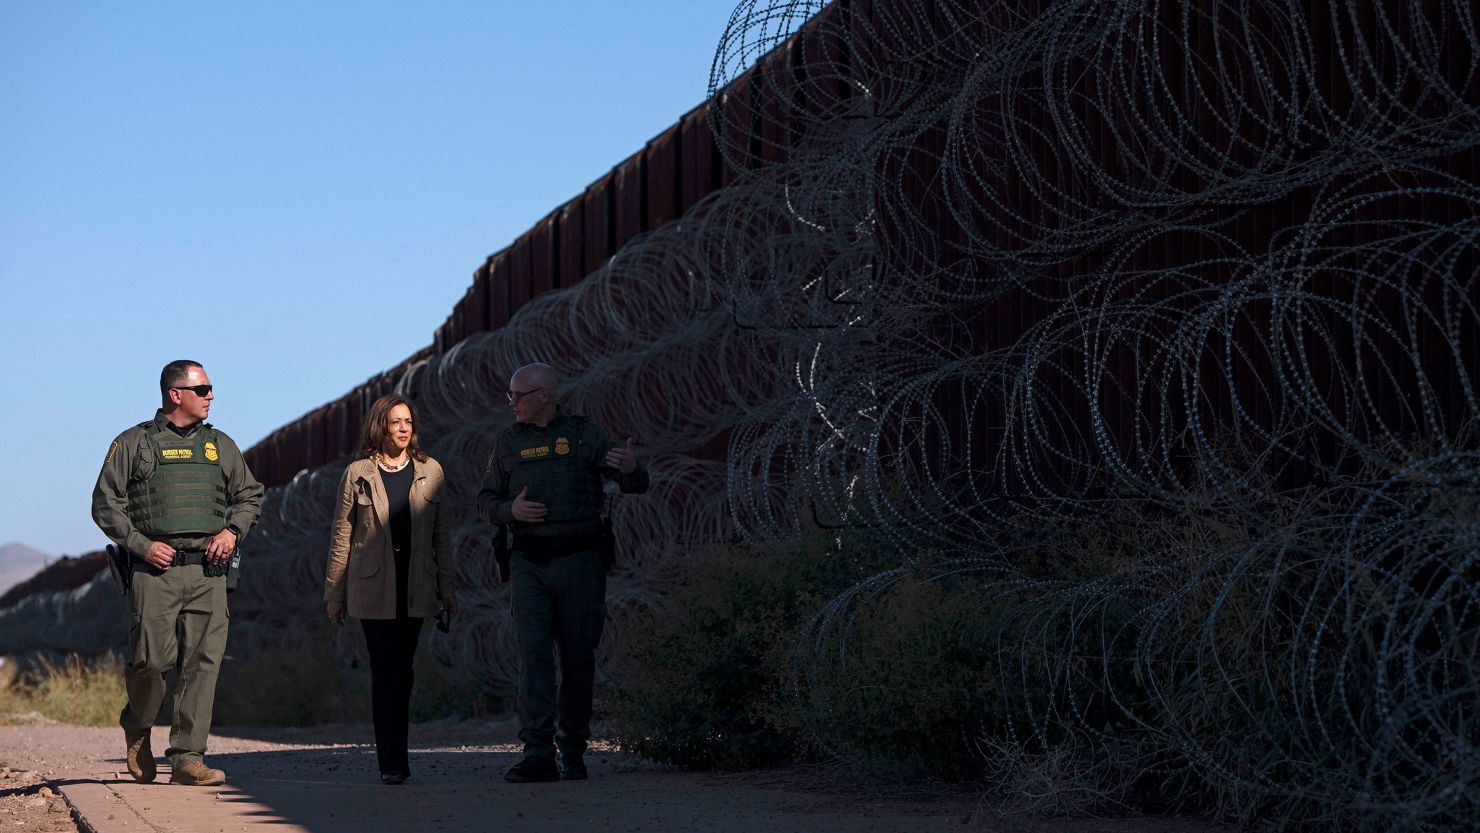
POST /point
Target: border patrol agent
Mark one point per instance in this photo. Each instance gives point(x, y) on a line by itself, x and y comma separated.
point(177, 495)
point(545, 481)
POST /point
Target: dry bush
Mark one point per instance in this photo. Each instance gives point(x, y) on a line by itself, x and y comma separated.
point(86, 691)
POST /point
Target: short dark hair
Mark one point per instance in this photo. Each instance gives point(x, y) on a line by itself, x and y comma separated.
point(174, 373)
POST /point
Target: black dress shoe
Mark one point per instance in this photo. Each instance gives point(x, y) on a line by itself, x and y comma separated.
point(572, 768)
point(394, 777)
point(531, 770)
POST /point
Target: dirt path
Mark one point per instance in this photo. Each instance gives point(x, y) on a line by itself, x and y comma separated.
point(323, 780)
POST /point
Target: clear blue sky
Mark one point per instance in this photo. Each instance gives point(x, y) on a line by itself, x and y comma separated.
point(293, 194)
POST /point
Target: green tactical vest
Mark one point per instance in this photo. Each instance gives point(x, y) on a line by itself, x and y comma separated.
point(186, 493)
point(556, 468)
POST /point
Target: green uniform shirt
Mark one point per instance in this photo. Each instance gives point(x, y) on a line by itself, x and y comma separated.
point(131, 458)
point(565, 462)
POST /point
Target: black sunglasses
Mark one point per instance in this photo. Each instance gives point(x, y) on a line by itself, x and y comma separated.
point(199, 390)
point(516, 395)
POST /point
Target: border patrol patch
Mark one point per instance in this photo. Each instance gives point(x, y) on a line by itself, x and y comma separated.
point(534, 453)
point(562, 445)
point(112, 450)
point(211, 452)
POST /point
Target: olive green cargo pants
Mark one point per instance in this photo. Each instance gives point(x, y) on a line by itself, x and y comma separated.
point(176, 619)
point(557, 604)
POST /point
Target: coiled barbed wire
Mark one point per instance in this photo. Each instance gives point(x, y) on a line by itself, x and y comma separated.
point(1190, 345)
point(993, 279)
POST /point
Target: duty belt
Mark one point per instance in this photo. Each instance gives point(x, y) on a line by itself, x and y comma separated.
point(184, 558)
point(540, 549)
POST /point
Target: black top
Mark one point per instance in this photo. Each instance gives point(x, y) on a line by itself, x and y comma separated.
point(398, 501)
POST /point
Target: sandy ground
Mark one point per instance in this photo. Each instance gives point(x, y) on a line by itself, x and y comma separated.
point(324, 779)
point(28, 802)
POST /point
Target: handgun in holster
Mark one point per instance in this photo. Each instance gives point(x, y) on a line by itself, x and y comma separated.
point(501, 551)
point(606, 541)
point(121, 567)
point(607, 544)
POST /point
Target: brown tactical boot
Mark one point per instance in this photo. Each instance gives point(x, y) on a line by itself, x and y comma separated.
point(138, 755)
point(194, 773)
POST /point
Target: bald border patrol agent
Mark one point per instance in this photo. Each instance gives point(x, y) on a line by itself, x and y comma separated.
point(175, 493)
point(546, 481)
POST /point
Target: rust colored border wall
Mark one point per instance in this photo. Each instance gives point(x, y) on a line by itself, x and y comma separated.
point(760, 116)
point(649, 189)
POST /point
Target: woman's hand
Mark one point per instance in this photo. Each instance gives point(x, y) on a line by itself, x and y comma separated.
point(336, 612)
point(450, 605)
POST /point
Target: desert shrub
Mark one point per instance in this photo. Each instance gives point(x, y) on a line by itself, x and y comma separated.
point(326, 679)
point(437, 695)
point(703, 682)
point(299, 687)
point(905, 689)
point(87, 691)
point(764, 658)
point(950, 668)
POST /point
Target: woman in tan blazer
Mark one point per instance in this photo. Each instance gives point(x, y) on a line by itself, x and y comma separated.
point(390, 565)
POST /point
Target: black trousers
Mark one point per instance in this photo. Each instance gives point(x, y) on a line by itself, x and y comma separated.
point(559, 605)
point(392, 646)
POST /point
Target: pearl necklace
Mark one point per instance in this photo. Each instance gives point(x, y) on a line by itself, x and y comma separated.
point(380, 461)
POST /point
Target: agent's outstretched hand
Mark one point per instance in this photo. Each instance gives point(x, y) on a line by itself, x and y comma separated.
point(623, 457)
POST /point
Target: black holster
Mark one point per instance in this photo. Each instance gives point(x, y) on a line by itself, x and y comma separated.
point(501, 551)
point(606, 544)
point(121, 567)
point(234, 569)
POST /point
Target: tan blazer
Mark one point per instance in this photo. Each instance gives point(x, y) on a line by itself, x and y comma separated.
point(362, 560)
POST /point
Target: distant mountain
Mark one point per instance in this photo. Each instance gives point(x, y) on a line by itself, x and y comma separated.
point(19, 562)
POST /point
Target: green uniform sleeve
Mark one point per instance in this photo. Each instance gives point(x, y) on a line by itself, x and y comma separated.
point(243, 492)
point(494, 502)
point(110, 495)
point(632, 484)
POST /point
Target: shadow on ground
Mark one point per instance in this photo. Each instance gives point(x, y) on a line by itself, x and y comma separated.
point(325, 780)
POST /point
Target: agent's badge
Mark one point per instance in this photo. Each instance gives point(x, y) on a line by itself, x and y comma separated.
point(562, 445)
point(211, 452)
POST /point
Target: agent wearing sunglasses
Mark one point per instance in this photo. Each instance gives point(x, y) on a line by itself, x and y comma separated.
point(545, 480)
point(176, 493)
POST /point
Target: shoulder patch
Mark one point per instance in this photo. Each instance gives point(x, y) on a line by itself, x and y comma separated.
point(112, 450)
